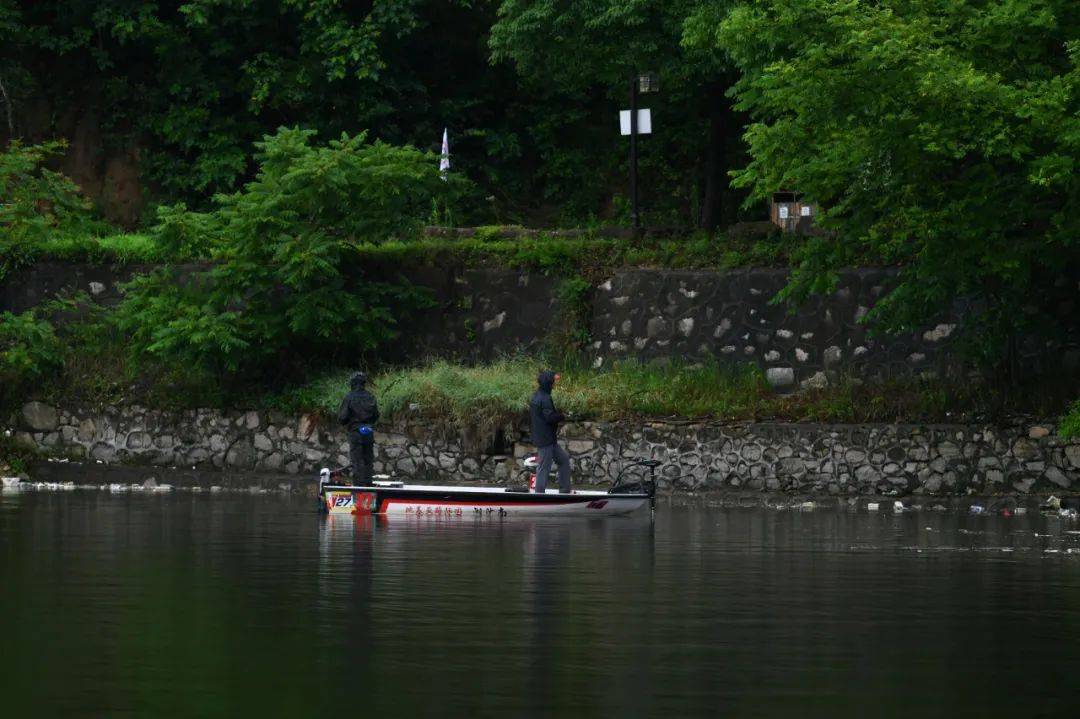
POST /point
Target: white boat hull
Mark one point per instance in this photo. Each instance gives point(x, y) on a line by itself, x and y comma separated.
point(446, 502)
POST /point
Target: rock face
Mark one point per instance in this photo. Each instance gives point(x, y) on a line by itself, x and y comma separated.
point(39, 417)
point(795, 458)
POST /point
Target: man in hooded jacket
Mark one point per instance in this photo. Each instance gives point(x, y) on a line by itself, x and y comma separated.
point(545, 421)
point(358, 412)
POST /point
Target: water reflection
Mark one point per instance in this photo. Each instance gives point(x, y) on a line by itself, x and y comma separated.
point(226, 606)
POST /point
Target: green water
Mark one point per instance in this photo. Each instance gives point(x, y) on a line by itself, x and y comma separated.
point(188, 605)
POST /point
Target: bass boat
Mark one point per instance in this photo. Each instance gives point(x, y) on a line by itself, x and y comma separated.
point(395, 498)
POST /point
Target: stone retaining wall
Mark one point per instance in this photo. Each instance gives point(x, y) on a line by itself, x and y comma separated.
point(645, 314)
point(796, 458)
point(651, 315)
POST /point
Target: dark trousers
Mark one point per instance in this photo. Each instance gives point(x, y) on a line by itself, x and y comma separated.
point(553, 452)
point(362, 457)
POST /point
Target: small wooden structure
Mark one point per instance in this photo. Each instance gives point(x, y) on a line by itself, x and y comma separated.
point(788, 212)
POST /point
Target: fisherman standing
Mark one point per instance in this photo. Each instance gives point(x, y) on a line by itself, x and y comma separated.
point(545, 421)
point(358, 412)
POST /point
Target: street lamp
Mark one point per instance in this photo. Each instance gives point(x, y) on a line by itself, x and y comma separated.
point(642, 84)
point(648, 82)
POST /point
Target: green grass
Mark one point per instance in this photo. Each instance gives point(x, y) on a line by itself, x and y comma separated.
point(123, 248)
point(1069, 426)
point(118, 248)
point(543, 253)
point(485, 397)
point(582, 254)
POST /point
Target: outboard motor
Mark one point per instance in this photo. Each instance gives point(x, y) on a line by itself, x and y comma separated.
point(531, 463)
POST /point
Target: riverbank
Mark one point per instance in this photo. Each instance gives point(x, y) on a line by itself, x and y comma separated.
point(848, 460)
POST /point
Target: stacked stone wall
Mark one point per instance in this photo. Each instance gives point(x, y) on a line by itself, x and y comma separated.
point(1022, 458)
point(649, 315)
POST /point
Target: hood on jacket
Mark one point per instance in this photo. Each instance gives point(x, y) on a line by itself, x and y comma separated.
point(358, 380)
point(546, 380)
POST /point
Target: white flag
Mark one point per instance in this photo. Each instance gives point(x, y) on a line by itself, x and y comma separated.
point(444, 160)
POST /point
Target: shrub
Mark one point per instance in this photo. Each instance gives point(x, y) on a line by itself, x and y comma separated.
point(1069, 428)
point(183, 234)
point(36, 204)
point(29, 352)
point(35, 201)
point(287, 286)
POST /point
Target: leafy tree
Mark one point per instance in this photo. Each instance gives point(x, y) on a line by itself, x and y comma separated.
point(577, 60)
point(940, 136)
point(193, 84)
point(284, 289)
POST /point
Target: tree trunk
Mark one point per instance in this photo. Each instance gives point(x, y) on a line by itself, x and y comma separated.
point(8, 109)
point(716, 181)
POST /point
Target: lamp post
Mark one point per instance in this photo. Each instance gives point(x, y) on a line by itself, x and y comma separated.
point(641, 84)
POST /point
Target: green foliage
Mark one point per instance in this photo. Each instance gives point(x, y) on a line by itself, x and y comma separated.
point(286, 286)
point(1069, 427)
point(587, 256)
point(14, 457)
point(29, 353)
point(479, 398)
point(191, 85)
point(43, 215)
point(631, 389)
point(570, 331)
point(37, 205)
point(485, 397)
point(183, 234)
point(35, 202)
point(939, 136)
point(582, 160)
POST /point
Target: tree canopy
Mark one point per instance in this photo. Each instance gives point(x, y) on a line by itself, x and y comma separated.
point(940, 136)
point(936, 136)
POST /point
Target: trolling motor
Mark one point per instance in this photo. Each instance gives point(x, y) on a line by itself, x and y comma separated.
point(642, 485)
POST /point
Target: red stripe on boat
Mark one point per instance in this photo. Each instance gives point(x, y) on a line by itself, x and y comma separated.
point(466, 503)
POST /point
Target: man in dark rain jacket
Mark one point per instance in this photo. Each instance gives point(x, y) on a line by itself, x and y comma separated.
point(358, 412)
point(545, 420)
